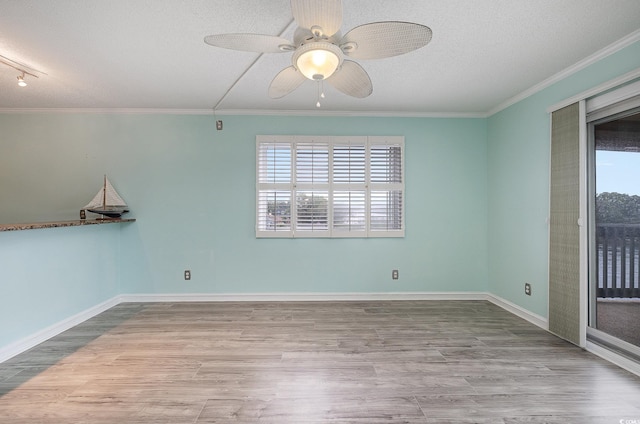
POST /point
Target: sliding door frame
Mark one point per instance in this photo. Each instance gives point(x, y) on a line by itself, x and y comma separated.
point(605, 108)
point(596, 98)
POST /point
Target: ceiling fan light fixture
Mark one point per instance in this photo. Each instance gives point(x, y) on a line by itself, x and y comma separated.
point(318, 60)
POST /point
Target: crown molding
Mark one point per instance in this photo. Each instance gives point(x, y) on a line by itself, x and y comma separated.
point(350, 113)
point(115, 111)
point(608, 85)
point(242, 112)
point(584, 63)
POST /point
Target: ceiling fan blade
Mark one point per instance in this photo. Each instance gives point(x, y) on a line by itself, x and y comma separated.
point(258, 43)
point(285, 82)
point(325, 14)
point(352, 80)
point(378, 40)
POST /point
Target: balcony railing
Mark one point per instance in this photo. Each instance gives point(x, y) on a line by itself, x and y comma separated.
point(618, 261)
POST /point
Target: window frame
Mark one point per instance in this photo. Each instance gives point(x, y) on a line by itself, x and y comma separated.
point(293, 187)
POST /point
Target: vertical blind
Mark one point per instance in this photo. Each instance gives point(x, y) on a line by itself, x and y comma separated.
point(564, 232)
point(330, 186)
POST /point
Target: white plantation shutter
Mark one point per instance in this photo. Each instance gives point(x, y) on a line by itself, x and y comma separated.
point(386, 163)
point(311, 186)
point(312, 162)
point(349, 185)
point(274, 162)
point(274, 187)
point(274, 210)
point(312, 211)
point(349, 163)
point(386, 185)
point(386, 210)
point(349, 212)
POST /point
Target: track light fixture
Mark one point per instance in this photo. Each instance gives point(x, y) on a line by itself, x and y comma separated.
point(21, 82)
point(22, 68)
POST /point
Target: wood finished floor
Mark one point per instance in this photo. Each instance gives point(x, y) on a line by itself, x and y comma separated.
point(329, 362)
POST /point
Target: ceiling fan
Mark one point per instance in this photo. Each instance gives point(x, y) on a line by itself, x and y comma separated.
point(319, 49)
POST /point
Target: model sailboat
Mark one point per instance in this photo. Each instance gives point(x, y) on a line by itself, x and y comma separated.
point(107, 202)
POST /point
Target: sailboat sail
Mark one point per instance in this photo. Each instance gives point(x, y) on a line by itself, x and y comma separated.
point(107, 201)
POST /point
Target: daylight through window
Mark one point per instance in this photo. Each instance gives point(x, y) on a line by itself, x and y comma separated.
point(330, 186)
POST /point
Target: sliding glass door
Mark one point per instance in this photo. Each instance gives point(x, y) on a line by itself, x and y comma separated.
point(614, 273)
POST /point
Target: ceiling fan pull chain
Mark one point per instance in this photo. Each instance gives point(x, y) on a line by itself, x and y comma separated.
point(320, 94)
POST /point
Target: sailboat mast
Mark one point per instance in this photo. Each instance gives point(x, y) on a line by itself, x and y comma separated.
point(104, 192)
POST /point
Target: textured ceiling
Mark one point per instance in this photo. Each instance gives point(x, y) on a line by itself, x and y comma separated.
point(150, 54)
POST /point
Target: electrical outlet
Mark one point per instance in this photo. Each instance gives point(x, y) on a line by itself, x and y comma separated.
point(394, 274)
point(527, 289)
point(187, 274)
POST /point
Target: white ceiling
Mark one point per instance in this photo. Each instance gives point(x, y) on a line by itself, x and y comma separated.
point(150, 54)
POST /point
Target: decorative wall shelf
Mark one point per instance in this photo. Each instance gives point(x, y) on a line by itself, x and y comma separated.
point(57, 224)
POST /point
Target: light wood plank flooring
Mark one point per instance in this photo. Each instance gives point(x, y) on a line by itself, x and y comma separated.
point(304, 362)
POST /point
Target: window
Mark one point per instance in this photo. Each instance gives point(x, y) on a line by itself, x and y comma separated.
point(338, 186)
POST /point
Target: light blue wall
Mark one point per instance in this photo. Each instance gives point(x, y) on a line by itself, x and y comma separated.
point(192, 190)
point(518, 183)
point(48, 275)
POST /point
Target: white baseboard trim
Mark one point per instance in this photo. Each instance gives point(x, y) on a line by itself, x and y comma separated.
point(45, 334)
point(55, 329)
point(29, 342)
point(300, 297)
point(535, 319)
point(614, 358)
point(13, 349)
